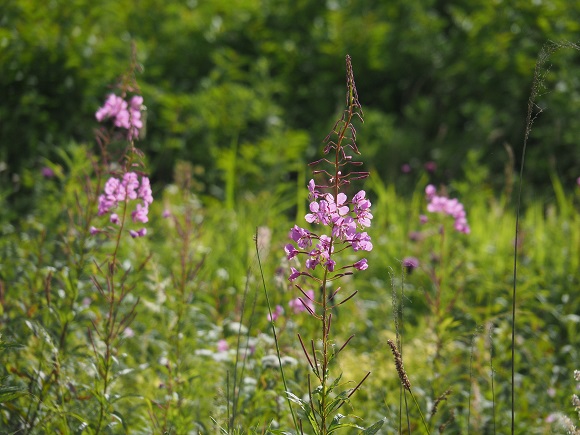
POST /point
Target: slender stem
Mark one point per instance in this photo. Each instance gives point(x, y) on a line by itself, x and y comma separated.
point(324, 354)
point(294, 420)
point(420, 413)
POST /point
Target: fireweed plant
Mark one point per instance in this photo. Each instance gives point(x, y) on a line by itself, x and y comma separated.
point(343, 222)
point(445, 216)
point(441, 303)
point(125, 202)
point(438, 204)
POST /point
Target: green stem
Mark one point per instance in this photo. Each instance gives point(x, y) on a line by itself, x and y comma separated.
point(294, 420)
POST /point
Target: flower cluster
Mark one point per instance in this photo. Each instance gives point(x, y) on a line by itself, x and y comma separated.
point(344, 218)
point(125, 189)
point(123, 115)
point(451, 207)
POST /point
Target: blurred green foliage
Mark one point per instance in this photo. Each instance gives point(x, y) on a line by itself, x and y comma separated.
point(242, 88)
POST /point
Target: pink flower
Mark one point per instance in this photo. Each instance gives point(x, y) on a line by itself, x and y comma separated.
point(313, 193)
point(430, 191)
point(299, 305)
point(451, 207)
point(362, 208)
point(140, 214)
point(129, 188)
point(291, 251)
point(410, 263)
point(330, 264)
point(430, 166)
point(278, 311)
point(361, 264)
point(124, 115)
point(47, 172)
point(144, 191)
point(135, 117)
point(139, 233)
point(295, 274)
point(222, 345)
point(301, 236)
point(361, 242)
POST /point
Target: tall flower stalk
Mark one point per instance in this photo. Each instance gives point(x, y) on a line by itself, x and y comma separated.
point(125, 200)
point(343, 222)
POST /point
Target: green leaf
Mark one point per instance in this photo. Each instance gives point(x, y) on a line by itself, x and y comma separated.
point(119, 416)
point(374, 428)
point(8, 393)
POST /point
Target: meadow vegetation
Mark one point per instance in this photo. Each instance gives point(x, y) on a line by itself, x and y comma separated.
point(244, 290)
